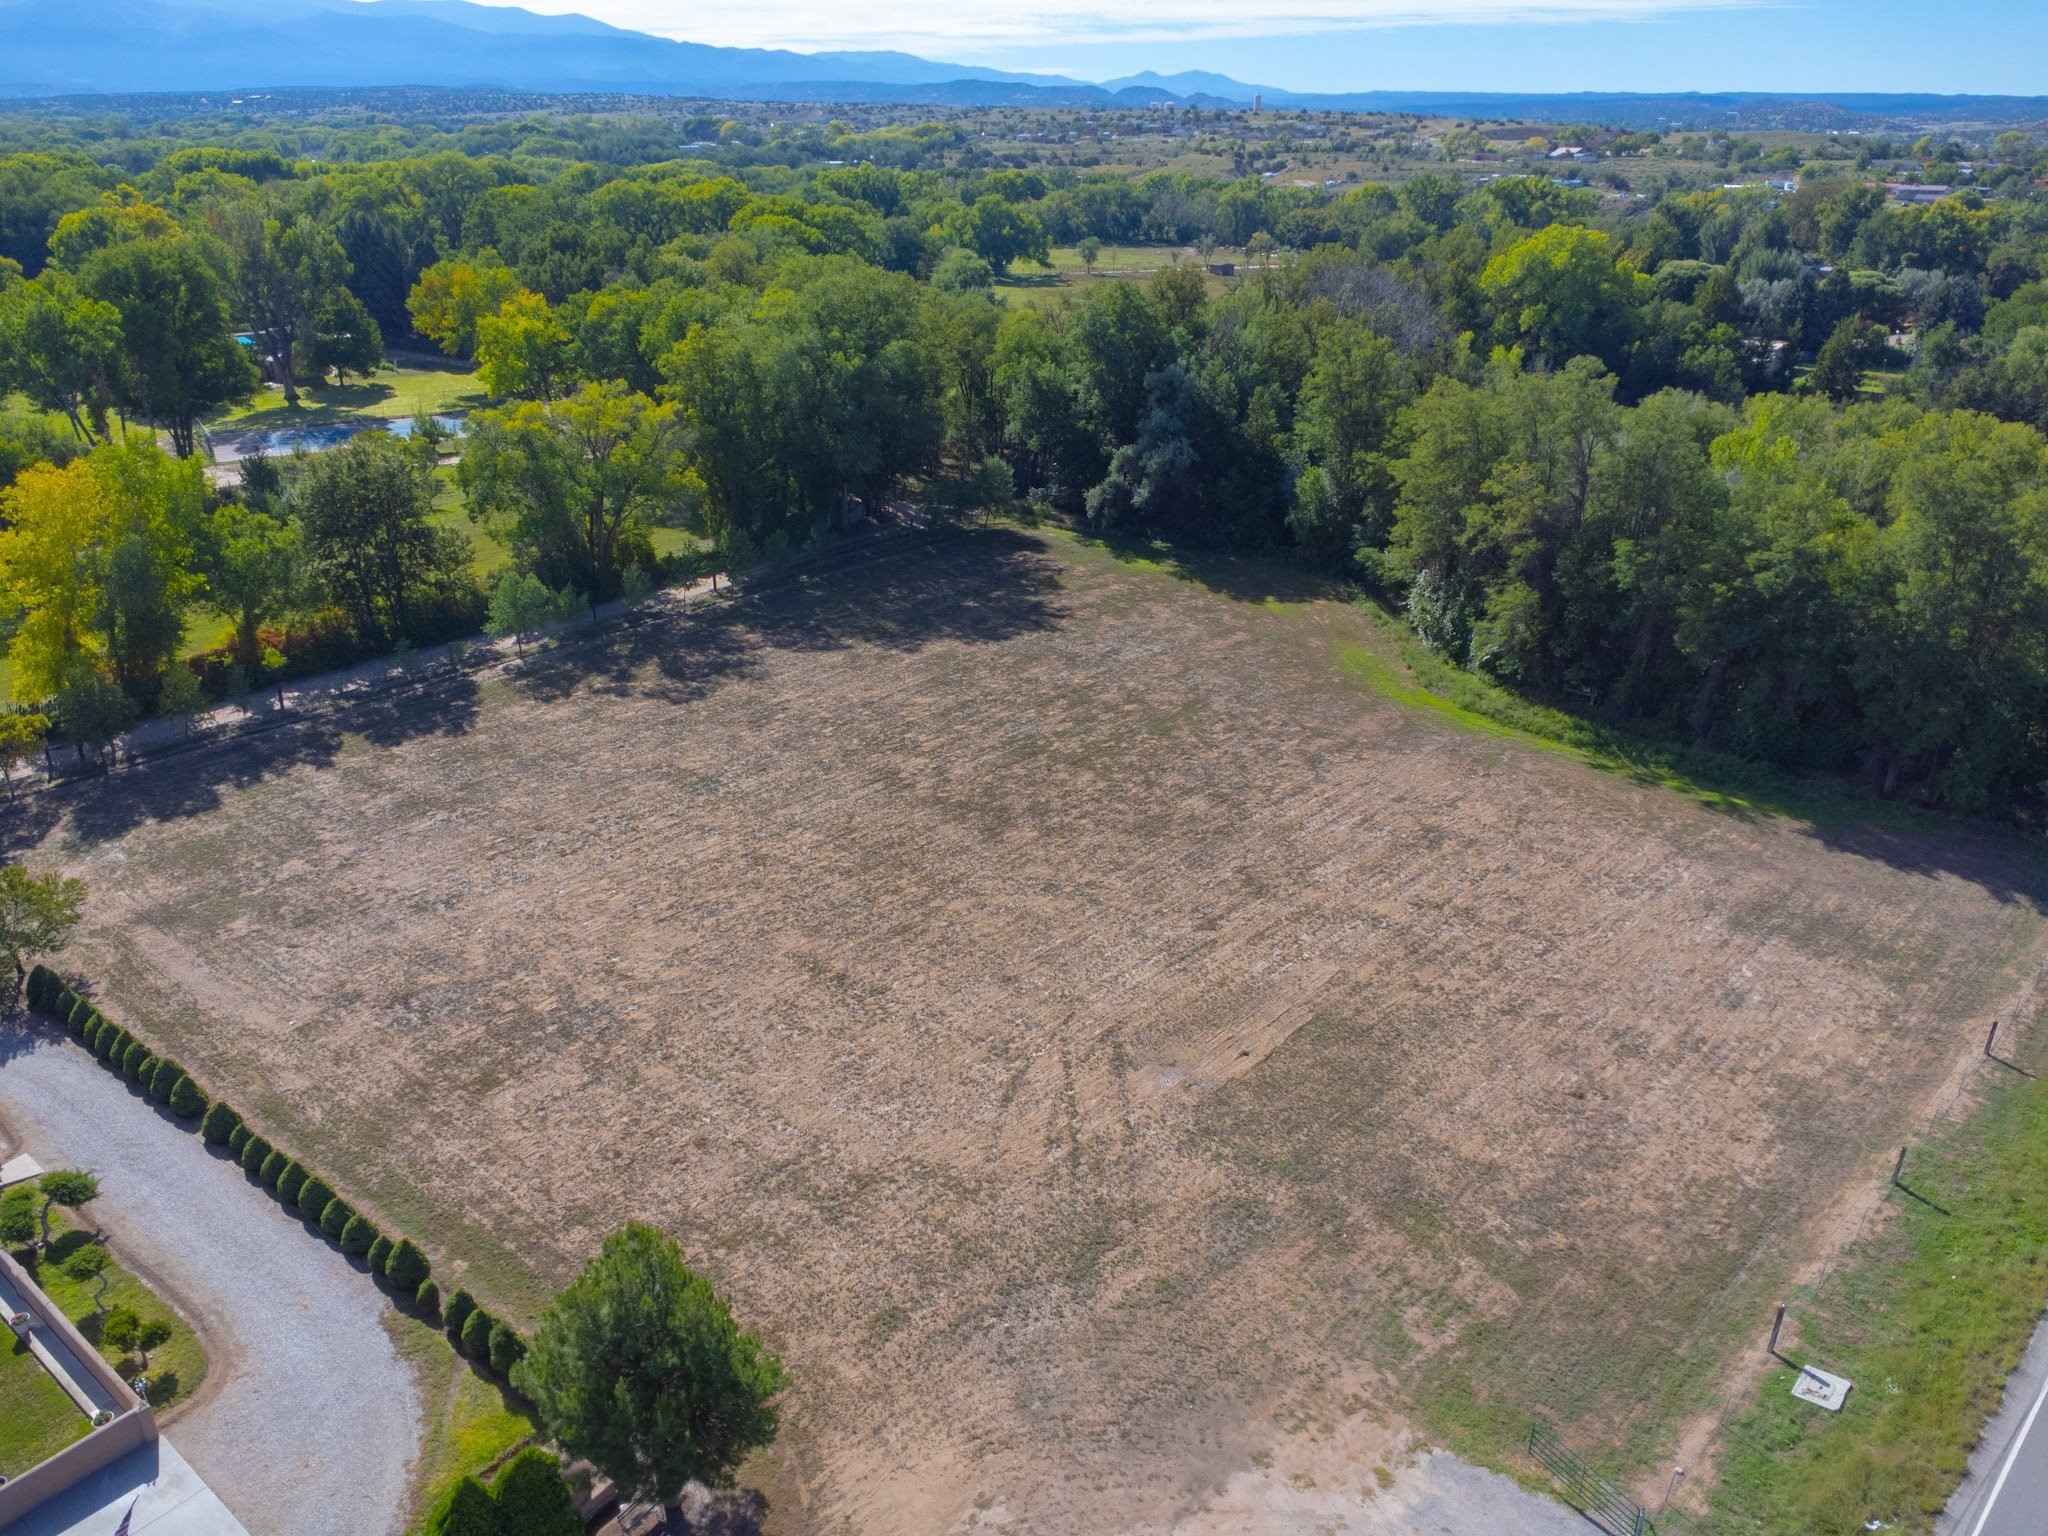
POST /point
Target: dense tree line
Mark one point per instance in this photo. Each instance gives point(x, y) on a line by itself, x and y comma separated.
point(1760, 471)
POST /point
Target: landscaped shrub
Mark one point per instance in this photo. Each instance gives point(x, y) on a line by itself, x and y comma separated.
point(79, 1014)
point(38, 978)
point(255, 1152)
point(456, 1312)
point(476, 1334)
point(507, 1349)
point(292, 1178)
point(335, 1217)
point(189, 1099)
point(221, 1121)
point(406, 1267)
point(64, 1009)
point(108, 1040)
point(164, 1079)
point(239, 1136)
point(272, 1168)
point(467, 1509)
point(358, 1235)
point(379, 1254)
point(427, 1299)
point(313, 1198)
point(137, 1063)
point(533, 1497)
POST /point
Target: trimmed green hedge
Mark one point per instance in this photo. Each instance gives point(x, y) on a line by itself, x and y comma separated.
point(456, 1312)
point(335, 1216)
point(220, 1124)
point(164, 1079)
point(476, 1334)
point(313, 1198)
point(188, 1098)
point(240, 1136)
point(255, 1153)
point(357, 1236)
point(406, 1267)
point(272, 1168)
point(507, 1349)
point(292, 1178)
point(427, 1300)
point(380, 1253)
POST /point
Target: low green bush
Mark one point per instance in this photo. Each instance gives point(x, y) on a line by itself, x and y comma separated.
point(164, 1078)
point(406, 1267)
point(239, 1135)
point(221, 1121)
point(292, 1178)
point(533, 1497)
point(138, 1064)
point(379, 1254)
point(108, 1039)
point(335, 1217)
point(427, 1299)
point(453, 1315)
point(272, 1168)
point(313, 1198)
point(188, 1099)
point(79, 1014)
point(358, 1235)
point(38, 986)
point(507, 1349)
point(467, 1509)
point(476, 1334)
point(255, 1152)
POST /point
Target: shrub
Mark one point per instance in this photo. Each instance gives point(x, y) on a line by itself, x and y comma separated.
point(164, 1079)
point(313, 1198)
point(254, 1153)
point(221, 1121)
point(292, 1178)
point(239, 1135)
point(476, 1334)
point(107, 1039)
point(379, 1254)
point(64, 1009)
point(38, 986)
point(189, 1099)
point(456, 1312)
point(406, 1267)
point(533, 1497)
point(507, 1349)
point(358, 1235)
point(272, 1168)
point(138, 1064)
point(428, 1298)
point(79, 1014)
point(335, 1217)
point(465, 1510)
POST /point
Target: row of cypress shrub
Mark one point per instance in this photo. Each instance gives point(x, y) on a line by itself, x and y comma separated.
point(400, 1264)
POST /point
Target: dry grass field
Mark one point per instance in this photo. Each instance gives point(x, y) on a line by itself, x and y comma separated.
point(1109, 1050)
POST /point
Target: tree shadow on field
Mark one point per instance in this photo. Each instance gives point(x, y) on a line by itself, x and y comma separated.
point(2005, 865)
point(1243, 578)
point(187, 783)
point(959, 586)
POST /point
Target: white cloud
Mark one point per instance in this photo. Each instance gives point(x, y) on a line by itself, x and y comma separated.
point(986, 28)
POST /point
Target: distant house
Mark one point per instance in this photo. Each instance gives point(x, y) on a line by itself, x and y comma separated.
point(1915, 192)
point(1223, 269)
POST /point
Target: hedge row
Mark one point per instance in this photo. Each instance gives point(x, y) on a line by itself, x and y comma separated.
point(400, 1264)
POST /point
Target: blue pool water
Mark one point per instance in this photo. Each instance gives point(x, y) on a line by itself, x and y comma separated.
point(283, 441)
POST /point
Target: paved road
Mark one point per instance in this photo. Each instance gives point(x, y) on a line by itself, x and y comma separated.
point(2005, 1492)
point(309, 1420)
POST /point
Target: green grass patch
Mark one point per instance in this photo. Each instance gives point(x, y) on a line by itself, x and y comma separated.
point(176, 1368)
point(472, 1424)
point(37, 1420)
point(1927, 1317)
point(391, 393)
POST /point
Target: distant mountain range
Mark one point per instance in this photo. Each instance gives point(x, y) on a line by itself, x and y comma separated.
point(123, 47)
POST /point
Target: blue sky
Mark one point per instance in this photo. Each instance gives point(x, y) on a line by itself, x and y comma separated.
point(1977, 46)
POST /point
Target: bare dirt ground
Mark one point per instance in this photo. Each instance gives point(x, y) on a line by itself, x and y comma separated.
point(1117, 1059)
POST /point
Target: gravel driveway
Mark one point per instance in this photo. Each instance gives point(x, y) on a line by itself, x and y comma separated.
point(309, 1420)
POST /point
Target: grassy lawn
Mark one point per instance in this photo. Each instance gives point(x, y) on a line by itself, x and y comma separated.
point(1926, 1316)
point(176, 1367)
point(472, 1424)
point(393, 393)
point(36, 1419)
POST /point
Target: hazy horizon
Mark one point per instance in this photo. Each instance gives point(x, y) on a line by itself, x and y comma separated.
point(1997, 47)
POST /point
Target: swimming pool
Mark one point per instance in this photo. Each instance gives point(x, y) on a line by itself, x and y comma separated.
point(277, 442)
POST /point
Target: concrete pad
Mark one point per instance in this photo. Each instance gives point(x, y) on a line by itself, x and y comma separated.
point(1821, 1388)
point(152, 1487)
point(19, 1170)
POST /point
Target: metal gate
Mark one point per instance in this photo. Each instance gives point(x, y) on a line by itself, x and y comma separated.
point(1597, 1498)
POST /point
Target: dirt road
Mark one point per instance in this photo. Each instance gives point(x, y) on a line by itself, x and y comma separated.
point(308, 1420)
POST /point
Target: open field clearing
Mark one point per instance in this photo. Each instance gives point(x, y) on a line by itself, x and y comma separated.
point(1112, 1052)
